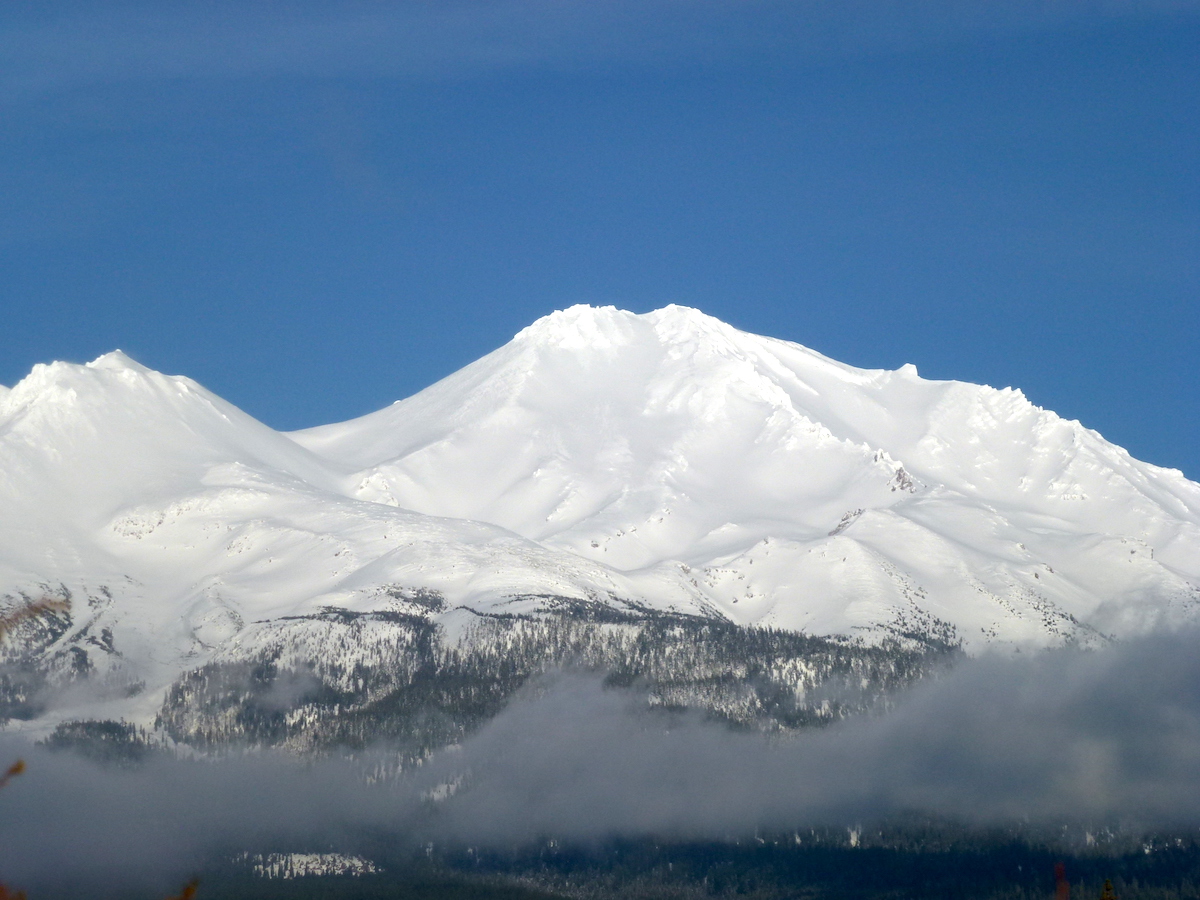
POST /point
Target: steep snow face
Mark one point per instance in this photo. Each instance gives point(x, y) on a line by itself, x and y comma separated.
point(791, 489)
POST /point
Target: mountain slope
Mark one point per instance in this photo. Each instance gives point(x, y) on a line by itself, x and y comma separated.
point(613, 466)
point(801, 492)
point(172, 523)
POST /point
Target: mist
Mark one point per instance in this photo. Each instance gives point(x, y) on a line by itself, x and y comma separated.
point(1110, 737)
point(1103, 737)
point(71, 820)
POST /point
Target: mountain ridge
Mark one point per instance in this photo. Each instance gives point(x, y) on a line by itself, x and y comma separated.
point(783, 394)
point(656, 464)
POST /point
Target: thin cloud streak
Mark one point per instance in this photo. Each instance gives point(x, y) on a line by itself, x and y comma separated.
point(63, 50)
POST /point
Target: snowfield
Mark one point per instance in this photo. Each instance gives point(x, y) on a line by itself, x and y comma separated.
point(663, 461)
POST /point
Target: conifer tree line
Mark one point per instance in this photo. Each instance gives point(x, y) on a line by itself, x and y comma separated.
point(343, 679)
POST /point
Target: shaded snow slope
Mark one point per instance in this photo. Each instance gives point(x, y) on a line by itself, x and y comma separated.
point(665, 460)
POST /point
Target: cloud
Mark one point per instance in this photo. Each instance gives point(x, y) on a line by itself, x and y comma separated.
point(1107, 737)
point(1110, 737)
point(71, 45)
point(70, 821)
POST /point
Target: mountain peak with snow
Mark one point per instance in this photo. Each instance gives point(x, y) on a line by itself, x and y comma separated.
point(671, 438)
point(117, 360)
point(666, 461)
point(576, 327)
point(597, 327)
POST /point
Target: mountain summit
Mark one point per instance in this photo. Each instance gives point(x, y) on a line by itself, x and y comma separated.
point(797, 491)
point(659, 463)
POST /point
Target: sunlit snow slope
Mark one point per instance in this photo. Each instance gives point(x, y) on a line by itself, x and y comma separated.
point(664, 460)
point(787, 488)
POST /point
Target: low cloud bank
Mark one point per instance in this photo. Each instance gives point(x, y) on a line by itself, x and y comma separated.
point(70, 820)
point(1103, 737)
point(1111, 736)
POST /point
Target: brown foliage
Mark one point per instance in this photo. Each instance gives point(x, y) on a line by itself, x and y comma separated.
point(10, 620)
point(1062, 888)
point(188, 892)
point(15, 769)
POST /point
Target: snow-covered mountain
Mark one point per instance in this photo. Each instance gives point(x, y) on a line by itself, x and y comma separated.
point(663, 461)
point(790, 489)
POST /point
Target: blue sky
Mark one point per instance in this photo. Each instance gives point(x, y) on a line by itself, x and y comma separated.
point(316, 209)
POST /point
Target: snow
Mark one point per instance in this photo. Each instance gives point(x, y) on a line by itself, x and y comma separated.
point(300, 865)
point(666, 458)
point(646, 441)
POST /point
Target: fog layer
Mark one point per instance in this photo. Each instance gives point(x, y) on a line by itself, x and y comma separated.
point(1109, 736)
